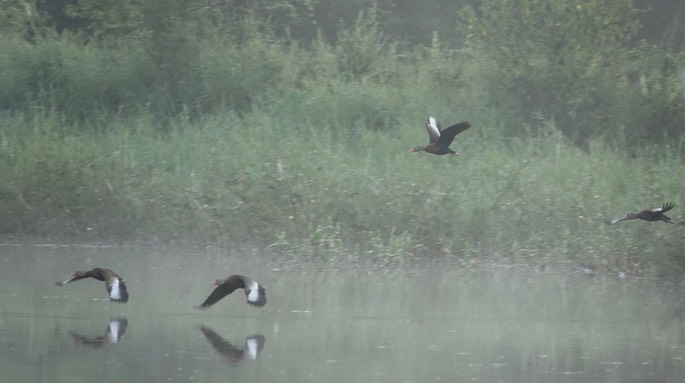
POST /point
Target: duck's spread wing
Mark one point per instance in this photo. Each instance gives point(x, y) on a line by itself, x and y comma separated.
point(666, 207)
point(116, 288)
point(221, 345)
point(93, 341)
point(447, 135)
point(433, 128)
point(254, 344)
point(256, 294)
point(216, 295)
point(116, 329)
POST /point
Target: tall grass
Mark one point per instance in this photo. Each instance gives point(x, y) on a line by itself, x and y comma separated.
point(312, 192)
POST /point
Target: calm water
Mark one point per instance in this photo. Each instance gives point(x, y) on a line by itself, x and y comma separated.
point(346, 325)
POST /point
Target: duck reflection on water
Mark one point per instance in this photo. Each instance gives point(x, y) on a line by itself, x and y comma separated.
point(113, 333)
point(254, 344)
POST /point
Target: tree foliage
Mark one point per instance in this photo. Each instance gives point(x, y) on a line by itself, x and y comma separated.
point(573, 62)
point(582, 64)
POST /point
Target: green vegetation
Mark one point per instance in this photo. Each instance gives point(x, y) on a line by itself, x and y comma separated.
point(180, 123)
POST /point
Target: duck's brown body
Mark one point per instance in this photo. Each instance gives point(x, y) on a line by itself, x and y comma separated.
point(255, 293)
point(116, 288)
point(440, 140)
point(656, 214)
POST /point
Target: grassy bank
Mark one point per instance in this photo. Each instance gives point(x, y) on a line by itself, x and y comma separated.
point(316, 192)
point(190, 128)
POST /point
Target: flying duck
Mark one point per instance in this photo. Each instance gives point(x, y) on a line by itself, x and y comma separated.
point(440, 140)
point(255, 293)
point(115, 284)
point(656, 214)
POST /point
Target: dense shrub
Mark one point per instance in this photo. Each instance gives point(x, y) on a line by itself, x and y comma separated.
point(575, 62)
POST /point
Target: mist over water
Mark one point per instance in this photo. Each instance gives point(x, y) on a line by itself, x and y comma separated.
point(416, 323)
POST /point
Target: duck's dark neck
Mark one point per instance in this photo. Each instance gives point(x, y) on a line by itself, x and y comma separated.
point(96, 273)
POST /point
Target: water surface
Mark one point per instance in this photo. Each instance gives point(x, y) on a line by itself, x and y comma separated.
point(417, 323)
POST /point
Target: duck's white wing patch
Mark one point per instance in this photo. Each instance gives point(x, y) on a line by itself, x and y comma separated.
point(115, 290)
point(252, 346)
point(113, 334)
point(433, 127)
point(253, 295)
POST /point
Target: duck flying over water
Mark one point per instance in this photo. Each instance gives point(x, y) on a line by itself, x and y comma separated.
point(116, 288)
point(656, 214)
point(440, 140)
point(255, 293)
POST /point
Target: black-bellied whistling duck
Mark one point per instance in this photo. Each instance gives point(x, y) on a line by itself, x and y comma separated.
point(256, 294)
point(115, 330)
point(115, 284)
point(656, 214)
point(440, 140)
point(254, 344)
